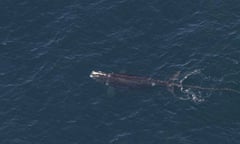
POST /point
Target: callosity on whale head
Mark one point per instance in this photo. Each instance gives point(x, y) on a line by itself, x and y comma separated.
point(97, 74)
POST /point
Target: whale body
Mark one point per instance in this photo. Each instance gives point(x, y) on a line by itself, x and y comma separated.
point(124, 80)
point(137, 81)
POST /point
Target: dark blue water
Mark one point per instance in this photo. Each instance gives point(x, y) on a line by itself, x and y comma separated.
point(49, 48)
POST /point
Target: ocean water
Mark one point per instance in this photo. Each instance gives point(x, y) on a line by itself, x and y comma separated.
point(49, 48)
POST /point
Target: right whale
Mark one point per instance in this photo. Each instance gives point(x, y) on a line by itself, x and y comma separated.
point(114, 79)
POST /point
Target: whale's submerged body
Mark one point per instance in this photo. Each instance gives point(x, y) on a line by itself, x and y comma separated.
point(123, 80)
